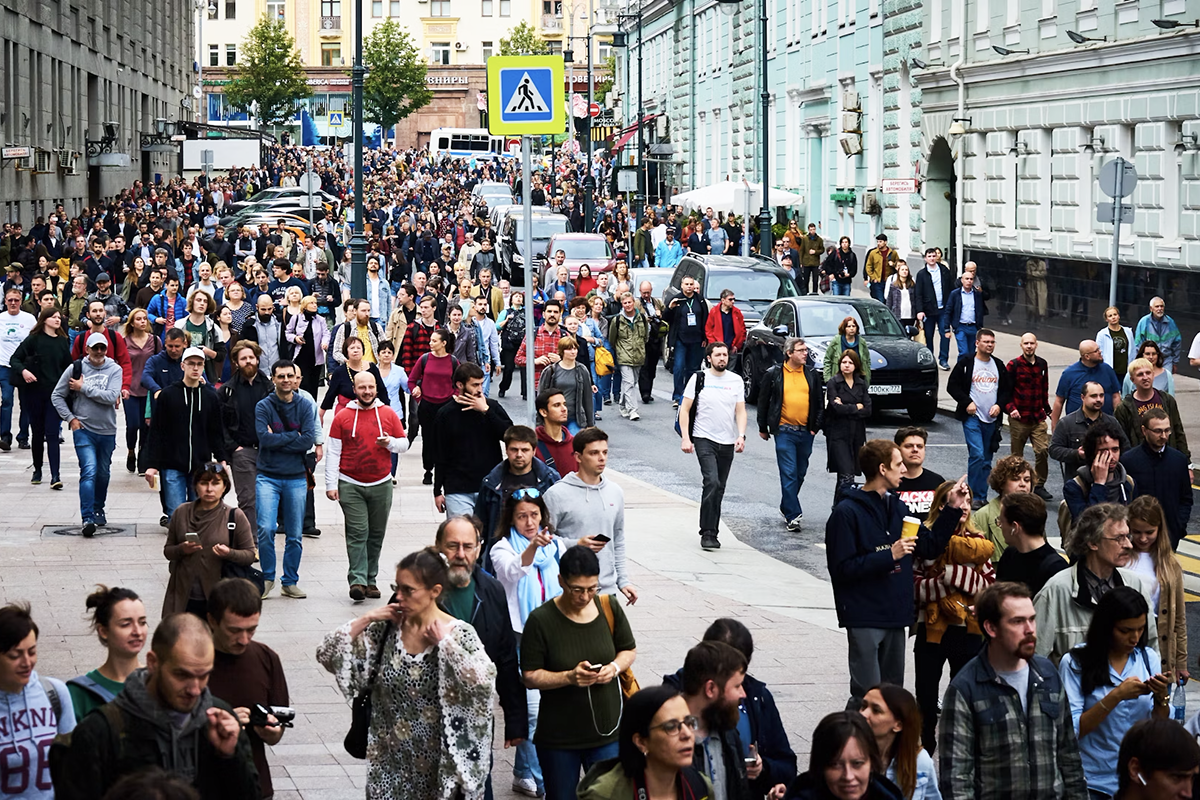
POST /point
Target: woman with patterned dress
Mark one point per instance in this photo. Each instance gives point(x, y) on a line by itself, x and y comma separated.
point(433, 696)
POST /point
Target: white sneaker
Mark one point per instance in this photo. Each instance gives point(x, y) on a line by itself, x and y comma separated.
point(268, 587)
point(625, 412)
point(526, 786)
point(634, 416)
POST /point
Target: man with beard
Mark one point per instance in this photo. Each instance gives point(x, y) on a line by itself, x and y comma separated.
point(358, 476)
point(265, 329)
point(1007, 682)
point(476, 597)
point(711, 684)
point(239, 396)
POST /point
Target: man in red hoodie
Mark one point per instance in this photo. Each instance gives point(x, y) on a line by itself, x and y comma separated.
point(555, 443)
point(358, 475)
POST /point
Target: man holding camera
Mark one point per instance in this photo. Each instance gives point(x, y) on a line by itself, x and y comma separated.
point(246, 674)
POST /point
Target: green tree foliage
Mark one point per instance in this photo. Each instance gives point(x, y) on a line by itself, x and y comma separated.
point(269, 72)
point(523, 41)
point(395, 84)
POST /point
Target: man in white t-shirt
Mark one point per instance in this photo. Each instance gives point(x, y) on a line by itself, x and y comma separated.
point(1194, 352)
point(982, 388)
point(715, 432)
point(15, 325)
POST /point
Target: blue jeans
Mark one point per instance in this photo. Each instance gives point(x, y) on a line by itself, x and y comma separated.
point(269, 494)
point(7, 387)
point(177, 489)
point(563, 768)
point(688, 358)
point(487, 380)
point(94, 451)
point(876, 290)
point(525, 762)
point(979, 454)
point(603, 388)
point(941, 324)
point(840, 289)
point(964, 337)
point(793, 446)
point(460, 504)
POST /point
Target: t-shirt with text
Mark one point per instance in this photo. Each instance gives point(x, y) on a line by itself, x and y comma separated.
point(716, 417)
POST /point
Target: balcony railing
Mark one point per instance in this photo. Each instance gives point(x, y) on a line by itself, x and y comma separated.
point(331, 26)
point(552, 23)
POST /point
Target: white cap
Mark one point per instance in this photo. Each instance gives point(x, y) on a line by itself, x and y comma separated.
point(95, 339)
point(193, 352)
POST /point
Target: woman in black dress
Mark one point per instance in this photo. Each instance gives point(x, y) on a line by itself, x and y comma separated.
point(846, 414)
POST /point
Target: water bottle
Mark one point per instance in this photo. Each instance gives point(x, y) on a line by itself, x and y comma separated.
point(1178, 702)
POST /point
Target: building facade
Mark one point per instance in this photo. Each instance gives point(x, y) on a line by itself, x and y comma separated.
point(1016, 187)
point(78, 74)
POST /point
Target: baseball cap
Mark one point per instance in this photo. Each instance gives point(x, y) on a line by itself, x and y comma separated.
point(193, 352)
point(103, 278)
point(97, 339)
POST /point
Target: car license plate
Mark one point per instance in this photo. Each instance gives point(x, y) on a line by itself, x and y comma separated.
point(883, 388)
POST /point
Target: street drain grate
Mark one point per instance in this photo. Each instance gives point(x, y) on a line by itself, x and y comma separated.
point(77, 530)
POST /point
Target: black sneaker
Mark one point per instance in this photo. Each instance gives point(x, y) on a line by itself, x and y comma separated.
point(648, 399)
point(164, 520)
point(311, 533)
point(1041, 491)
point(89, 530)
point(100, 519)
point(56, 483)
point(23, 444)
point(428, 479)
point(709, 541)
point(6, 443)
point(131, 461)
point(36, 480)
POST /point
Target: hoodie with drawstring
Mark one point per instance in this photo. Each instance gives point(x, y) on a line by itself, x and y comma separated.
point(351, 451)
point(27, 726)
point(578, 509)
point(185, 429)
point(154, 736)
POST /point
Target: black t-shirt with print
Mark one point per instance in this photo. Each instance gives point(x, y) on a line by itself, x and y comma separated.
point(917, 493)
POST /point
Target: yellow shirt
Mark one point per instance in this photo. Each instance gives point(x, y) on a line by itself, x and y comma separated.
point(795, 397)
point(364, 333)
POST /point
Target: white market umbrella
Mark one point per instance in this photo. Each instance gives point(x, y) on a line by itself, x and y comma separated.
point(730, 197)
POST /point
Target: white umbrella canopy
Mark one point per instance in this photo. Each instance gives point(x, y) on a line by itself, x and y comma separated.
point(730, 197)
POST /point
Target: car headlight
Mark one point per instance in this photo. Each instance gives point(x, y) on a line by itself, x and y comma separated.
point(924, 357)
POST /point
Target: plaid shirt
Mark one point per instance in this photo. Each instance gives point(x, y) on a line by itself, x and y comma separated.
point(1031, 388)
point(415, 344)
point(988, 747)
point(544, 342)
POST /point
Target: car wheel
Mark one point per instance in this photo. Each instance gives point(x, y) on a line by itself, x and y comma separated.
point(922, 411)
point(749, 378)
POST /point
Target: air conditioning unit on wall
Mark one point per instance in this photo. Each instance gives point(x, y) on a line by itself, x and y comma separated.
point(850, 100)
point(870, 204)
point(851, 144)
point(460, 45)
point(42, 161)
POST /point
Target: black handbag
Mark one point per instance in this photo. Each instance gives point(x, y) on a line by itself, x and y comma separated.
point(360, 710)
point(244, 571)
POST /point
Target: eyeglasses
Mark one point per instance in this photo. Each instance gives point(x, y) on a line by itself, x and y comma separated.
point(582, 591)
point(463, 548)
point(1120, 537)
point(528, 493)
point(672, 727)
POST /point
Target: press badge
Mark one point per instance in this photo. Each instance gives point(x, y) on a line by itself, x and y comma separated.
point(691, 319)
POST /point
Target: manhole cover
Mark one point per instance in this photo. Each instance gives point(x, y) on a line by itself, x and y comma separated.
point(77, 530)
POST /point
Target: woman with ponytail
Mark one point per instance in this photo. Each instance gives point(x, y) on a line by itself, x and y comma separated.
point(119, 620)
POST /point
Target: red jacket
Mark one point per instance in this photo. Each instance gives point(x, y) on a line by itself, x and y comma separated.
point(714, 330)
point(117, 351)
point(353, 451)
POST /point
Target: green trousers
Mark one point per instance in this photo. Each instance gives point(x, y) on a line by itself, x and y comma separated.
point(366, 510)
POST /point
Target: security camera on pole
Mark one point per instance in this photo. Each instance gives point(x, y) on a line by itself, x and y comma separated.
point(526, 98)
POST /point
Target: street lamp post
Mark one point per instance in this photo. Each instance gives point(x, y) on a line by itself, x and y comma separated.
point(358, 240)
point(730, 7)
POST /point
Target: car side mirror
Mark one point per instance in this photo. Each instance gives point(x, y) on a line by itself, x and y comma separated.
point(781, 330)
point(910, 330)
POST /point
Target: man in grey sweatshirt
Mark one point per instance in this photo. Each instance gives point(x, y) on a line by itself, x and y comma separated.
point(89, 405)
point(586, 509)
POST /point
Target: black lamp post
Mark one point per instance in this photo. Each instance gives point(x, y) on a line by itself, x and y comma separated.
point(358, 240)
point(620, 40)
point(730, 7)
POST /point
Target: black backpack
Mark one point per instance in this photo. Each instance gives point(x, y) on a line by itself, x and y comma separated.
point(695, 405)
point(76, 374)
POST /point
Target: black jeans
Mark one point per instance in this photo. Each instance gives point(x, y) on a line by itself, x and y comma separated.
point(715, 461)
point(508, 358)
point(958, 647)
point(812, 274)
point(654, 349)
point(426, 411)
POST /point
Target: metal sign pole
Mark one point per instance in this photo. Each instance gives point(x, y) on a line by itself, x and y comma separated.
point(1117, 203)
point(530, 266)
point(311, 226)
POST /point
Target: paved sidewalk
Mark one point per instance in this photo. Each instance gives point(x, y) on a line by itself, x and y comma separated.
point(798, 650)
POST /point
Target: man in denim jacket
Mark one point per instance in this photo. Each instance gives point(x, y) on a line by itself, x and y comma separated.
point(1006, 728)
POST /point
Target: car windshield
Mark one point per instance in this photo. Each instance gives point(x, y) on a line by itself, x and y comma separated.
point(581, 249)
point(543, 227)
point(656, 277)
point(750, 285)
point(823, 319)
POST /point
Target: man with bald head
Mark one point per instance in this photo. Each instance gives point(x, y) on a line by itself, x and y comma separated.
point(1089, 368)
point(165, 717)
point(358, 476)
point(1157, 327)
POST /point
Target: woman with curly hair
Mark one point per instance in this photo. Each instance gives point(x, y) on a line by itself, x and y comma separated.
point(1011, 474)
point(945, 590)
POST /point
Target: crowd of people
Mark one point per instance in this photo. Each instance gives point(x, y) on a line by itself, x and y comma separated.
point(240, 362)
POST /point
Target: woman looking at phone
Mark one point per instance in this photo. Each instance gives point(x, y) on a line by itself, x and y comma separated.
point(1113, 680)
point(199, 540)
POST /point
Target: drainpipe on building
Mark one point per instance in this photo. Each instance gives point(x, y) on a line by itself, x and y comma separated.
point(956, 76)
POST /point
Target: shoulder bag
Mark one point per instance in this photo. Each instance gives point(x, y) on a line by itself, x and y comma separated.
point(629, 684)
point(245, 571)
point(360, 710)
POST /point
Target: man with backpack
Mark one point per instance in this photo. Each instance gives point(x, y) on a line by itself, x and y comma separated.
point(362, 326)
point(712, 423)
point(86, 397)
point(239, 397)
point(117, 351)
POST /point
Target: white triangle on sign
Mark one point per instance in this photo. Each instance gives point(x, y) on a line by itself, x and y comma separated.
point(526, 99)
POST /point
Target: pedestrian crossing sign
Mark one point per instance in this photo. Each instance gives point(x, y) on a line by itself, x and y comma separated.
point(526, 95)
point(335, 119)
